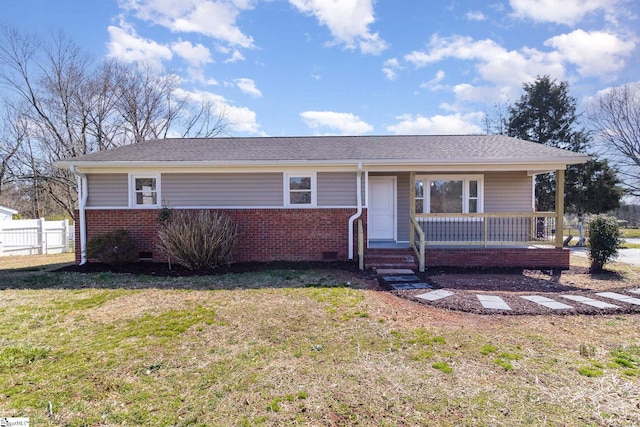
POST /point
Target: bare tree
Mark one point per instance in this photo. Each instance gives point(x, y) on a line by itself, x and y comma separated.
point(72, 105)
point(616, 119)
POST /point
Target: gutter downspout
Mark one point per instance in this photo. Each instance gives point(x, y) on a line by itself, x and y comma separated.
point(359, 211)
point(83, 194)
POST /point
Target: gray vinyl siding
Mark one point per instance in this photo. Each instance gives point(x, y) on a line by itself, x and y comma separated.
point(108, 190)
point(336, 189)
point(507, 192)
point(224, 190)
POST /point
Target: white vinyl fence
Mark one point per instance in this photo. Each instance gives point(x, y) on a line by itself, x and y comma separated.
point(35, 236)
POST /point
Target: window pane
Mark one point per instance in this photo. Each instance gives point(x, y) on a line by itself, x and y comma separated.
point(145, 184)
point(300, 183)
point(419, 189)
point(300, 198)
point(419, 205)
point(446, 196)
point(143, 198)
point(473, 189)
point(473, 205)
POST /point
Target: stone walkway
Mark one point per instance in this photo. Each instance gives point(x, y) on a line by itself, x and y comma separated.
point(404, 280)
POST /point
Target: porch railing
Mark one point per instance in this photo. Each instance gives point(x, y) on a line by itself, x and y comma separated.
point(482, 229)
point(489, 229)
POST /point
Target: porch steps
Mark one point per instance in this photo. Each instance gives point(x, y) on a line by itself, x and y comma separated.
point(390, 259)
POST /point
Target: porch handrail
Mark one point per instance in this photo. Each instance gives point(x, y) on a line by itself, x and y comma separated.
point(488, 215)
point(420, 250)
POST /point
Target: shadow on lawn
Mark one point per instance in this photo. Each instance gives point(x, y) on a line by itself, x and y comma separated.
point(159, 275)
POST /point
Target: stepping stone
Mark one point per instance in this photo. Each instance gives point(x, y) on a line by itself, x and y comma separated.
point(590, 301)
point(635, 291)
point(435, 295)
point(400, 279)
point(620, 297)
point(390, 271)
point(409, 286)
point(547, 302)
point(493, 302)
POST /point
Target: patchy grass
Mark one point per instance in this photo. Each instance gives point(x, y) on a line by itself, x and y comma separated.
point(630, 232)
point(298, 348)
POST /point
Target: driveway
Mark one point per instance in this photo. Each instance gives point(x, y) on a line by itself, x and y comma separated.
point(629, 256)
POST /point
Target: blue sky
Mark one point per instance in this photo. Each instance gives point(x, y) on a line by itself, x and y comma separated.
point(356, 67)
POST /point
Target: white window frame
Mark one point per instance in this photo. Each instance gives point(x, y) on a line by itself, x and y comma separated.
point(314, 189)
point(132, 190)
point(426, 204)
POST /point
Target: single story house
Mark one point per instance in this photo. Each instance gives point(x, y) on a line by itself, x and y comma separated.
point(6, 214)
point(454, 200)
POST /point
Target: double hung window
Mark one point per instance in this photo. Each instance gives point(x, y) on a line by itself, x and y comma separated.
point(144, 190)
point(300, 189)
point(449, 194)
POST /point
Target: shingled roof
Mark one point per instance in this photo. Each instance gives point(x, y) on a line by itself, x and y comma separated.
point(431, 149)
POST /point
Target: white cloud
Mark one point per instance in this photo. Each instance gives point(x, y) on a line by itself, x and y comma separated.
point(495, 64)
point(475, 16)
point(235, 57)
point(434, 83)
point(452, 124)
point(390, 68)
point(248, 86)
point(595, 53)
point(126, 46)
point(345, 123)
point(195, 55)
point(347, 20)
point(212, 18)
point(240, 119)
point(560, 12)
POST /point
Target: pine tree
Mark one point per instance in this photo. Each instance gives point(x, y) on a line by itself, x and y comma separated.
point(546, 114)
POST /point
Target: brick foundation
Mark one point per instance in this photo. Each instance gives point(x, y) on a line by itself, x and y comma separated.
point(498, 257)
point(264, 234)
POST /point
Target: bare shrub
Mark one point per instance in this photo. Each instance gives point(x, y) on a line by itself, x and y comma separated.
point(199, 239)
point(116, 247)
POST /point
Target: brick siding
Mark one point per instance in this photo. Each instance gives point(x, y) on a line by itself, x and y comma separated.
point(498, 257)
point(264, 234)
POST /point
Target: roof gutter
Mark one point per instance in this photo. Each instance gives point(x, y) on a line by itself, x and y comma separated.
point(83, 195)
point(359, 210)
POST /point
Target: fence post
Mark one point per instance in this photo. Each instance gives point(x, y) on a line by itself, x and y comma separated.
point(42, 237)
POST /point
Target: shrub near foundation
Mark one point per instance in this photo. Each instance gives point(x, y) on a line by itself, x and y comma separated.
point(116, 247)
point(198, 239)
point(604, 240)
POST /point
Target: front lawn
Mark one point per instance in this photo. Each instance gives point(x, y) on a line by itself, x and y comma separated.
point(288, 347)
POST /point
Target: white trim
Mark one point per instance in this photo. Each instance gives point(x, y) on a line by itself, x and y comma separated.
point(98, 208)
point(132, 190)
point(286, 189)
point(393, 178)
point(426, 204)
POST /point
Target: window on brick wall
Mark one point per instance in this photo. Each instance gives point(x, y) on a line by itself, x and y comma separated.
point(300, 189)
point(144, 190)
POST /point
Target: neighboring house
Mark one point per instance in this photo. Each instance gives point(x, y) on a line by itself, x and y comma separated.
point(6, 214)
point(455, 200)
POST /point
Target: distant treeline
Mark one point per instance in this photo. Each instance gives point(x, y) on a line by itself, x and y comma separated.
point(630, 214)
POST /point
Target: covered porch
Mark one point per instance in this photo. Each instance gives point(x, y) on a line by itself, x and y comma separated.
point(475, 230)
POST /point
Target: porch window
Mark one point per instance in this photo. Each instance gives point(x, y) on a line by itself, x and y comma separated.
point(449, 194)
point(144, 190)
point(300, 189)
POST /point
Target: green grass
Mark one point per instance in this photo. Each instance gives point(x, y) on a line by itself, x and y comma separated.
point(297, 348)
point(630, 232)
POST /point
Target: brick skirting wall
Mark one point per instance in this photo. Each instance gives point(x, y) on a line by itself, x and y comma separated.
point(498, 257)
point(264, 234)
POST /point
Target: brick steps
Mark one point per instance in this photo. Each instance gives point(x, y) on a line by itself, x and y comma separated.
point(390, 258)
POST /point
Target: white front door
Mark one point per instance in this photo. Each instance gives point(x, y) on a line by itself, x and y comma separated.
point(382, 208)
